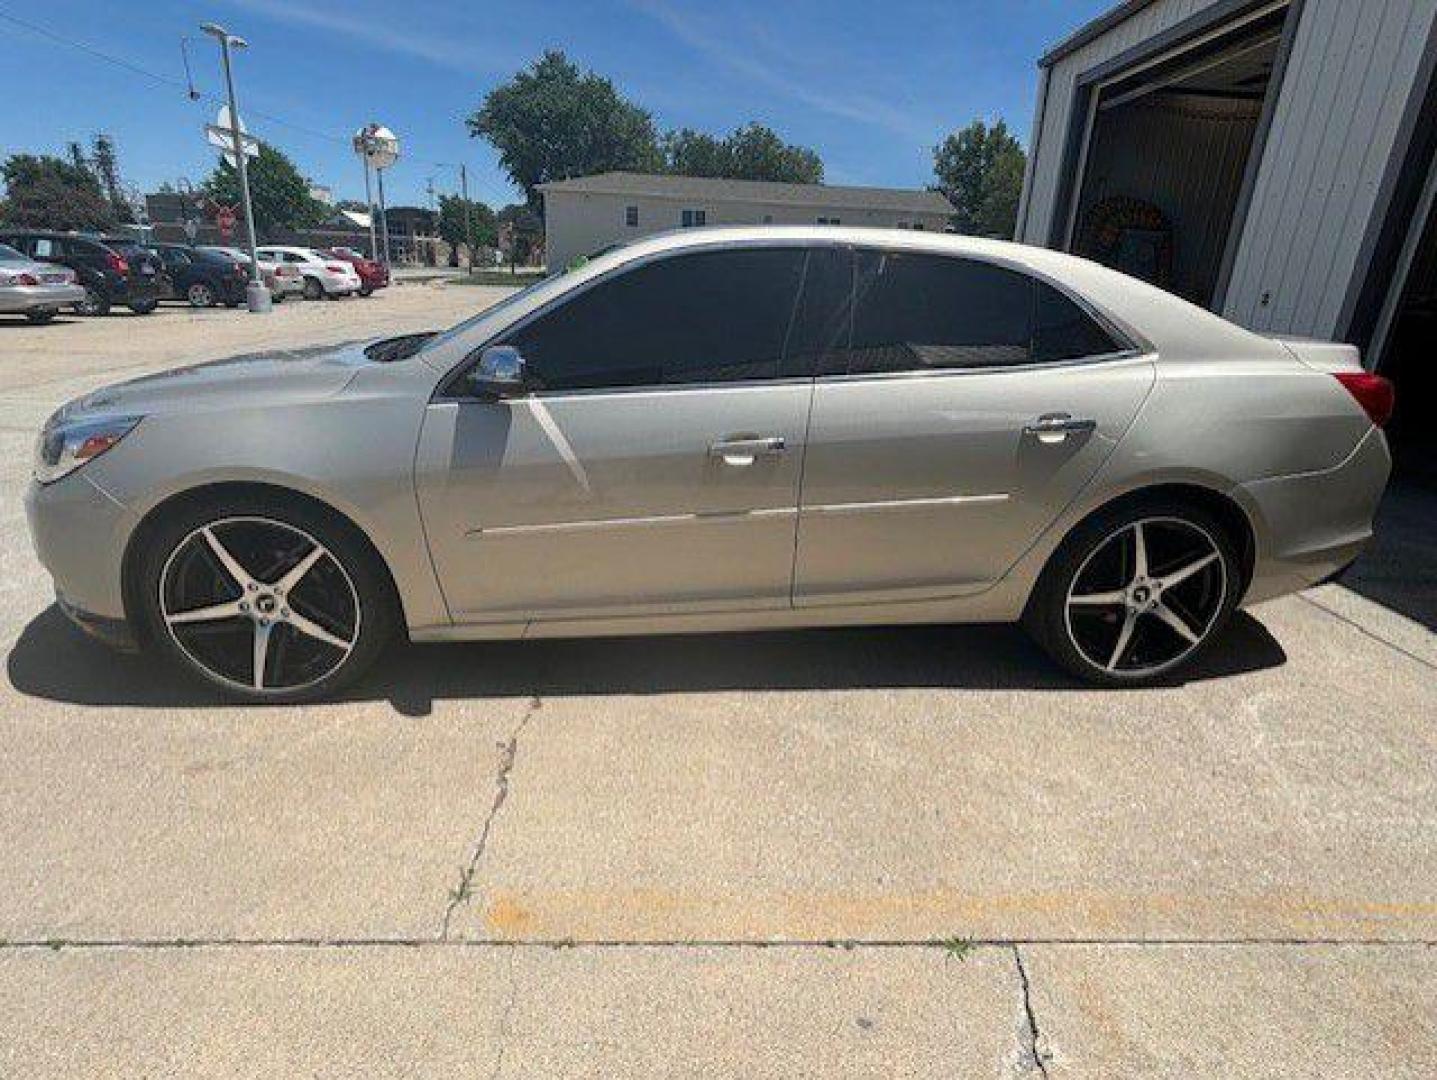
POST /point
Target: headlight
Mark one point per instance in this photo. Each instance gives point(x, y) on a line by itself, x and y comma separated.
point(66, 445)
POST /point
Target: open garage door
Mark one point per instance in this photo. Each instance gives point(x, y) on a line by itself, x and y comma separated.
point(1166, 162)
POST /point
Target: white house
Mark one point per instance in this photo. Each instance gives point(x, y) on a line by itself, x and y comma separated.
point(589, 213)
point(1270, 159)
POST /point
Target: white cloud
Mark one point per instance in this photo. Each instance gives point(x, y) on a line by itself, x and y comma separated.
point(379, 30)
point(746, 58)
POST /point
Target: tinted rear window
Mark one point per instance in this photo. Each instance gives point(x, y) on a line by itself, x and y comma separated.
point(1064, 331)
point(914, 312)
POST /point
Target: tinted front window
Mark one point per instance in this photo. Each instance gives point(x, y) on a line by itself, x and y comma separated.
point(915, 312)
point(9, 254)
point(712, 317)
point(1064, 331)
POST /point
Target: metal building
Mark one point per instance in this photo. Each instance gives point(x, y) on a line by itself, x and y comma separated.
point(1270, 159)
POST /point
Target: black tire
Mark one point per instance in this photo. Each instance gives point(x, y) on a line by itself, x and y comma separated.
point(200, 295)
point(39, 318)
point(95, 303)
point(1106, 544)
point(313, 290)
point(144, 307)
point(366, 290)
point(168, 552)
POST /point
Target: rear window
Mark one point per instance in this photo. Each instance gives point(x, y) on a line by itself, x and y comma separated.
point(1064, 331)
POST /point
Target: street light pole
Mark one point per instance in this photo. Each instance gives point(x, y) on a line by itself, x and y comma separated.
point(256, 294)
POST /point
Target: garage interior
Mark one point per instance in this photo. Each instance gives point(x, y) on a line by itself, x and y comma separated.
point(1167, 157)
point(1409, 358)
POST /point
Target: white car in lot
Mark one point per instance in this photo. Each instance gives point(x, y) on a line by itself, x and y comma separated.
point(322, 276)
point(282, 278)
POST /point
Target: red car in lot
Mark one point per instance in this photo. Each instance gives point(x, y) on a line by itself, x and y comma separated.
point(372, 273)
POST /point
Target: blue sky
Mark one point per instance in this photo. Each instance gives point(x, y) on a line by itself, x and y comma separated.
point(872, 86)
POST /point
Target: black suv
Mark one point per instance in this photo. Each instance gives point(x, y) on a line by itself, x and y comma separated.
point(204, 278)
point(112, 270)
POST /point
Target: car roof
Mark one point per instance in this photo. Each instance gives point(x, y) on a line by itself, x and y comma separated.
point(1156, 319)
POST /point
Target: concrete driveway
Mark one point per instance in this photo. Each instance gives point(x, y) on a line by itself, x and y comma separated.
point(879, 853)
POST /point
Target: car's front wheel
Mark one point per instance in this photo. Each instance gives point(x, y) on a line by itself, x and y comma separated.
point(1136, 593)
point(200, 295)
point(313, 289)
point(41, 315)
point(273, 601)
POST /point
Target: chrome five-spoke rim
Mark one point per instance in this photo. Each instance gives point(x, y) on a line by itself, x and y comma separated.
point(1146, 597)
point(259, 604)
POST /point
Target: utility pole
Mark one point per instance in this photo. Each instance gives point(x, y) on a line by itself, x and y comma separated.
point(256, 294)
point(463, 194)
point(468, 225)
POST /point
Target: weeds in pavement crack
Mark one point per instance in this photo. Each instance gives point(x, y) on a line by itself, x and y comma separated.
point(508, 751)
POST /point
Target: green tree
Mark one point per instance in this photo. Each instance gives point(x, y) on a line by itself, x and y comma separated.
point(352, 205)
point(47, 192)
point(481, 230)
point(278, 191)
point(553, 121)
point(752, 152)
point(106, 164)
point(980, 170)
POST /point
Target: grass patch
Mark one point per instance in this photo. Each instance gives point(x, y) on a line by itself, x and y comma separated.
point(497, 277)
point(958, 948)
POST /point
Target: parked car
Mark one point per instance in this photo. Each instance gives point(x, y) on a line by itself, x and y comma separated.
point(36, 290)
point(322, 276)
point(202, 278)
point(281, 278)
point(742, 428)
point(373, 274)
point(102, 266)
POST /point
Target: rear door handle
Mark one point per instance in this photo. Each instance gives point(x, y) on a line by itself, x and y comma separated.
point(1055, 427)
point(745, 451)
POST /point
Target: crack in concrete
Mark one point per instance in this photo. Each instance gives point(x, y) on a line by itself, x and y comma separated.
point(157, 944)
point(505, 1019)
point(508, 751)
point(1365, 631)
point(1031, 1055)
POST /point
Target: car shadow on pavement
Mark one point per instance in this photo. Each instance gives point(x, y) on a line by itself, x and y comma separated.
point(54, 661)
point(1399, 569)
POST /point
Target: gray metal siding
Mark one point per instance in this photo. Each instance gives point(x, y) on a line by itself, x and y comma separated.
point(1353, 68)
point(1048, 162)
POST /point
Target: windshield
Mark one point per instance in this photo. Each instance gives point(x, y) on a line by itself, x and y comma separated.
point(9, 254)
point(493, 309)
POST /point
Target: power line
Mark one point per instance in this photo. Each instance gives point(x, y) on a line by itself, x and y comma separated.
point(164, 80)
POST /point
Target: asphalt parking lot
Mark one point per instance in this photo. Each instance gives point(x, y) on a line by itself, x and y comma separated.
point(916, 852)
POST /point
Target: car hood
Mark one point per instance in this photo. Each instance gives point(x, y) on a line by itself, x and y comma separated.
point(261, 379)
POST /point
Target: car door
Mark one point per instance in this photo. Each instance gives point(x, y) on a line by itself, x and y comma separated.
point(654, 465)
point(969, 404)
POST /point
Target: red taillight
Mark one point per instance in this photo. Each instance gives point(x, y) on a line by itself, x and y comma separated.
point(24, 279)
point(1374, 393)
point(117, 264)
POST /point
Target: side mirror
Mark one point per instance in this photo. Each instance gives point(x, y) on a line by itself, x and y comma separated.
point(499, 373)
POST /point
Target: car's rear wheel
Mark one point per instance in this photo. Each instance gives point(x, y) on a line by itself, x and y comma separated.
point(144, 307)
point(43, 315)
point(366, 290)
point(313, 290)
point(95, 303)
point(200, 294)
point(1136, 593)
point(273, 601)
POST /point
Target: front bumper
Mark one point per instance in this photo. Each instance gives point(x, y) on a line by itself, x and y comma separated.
point(17, 299)
point(79, 532)
point(1313, 525)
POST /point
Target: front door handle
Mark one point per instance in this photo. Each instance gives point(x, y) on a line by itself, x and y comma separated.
point(741, 452)
point(1055, 427)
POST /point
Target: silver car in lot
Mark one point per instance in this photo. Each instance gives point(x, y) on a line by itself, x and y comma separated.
point(724, 429)
point(35, 290)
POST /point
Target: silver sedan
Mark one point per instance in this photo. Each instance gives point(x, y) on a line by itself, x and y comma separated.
point(35, 290)
point(717, 430)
